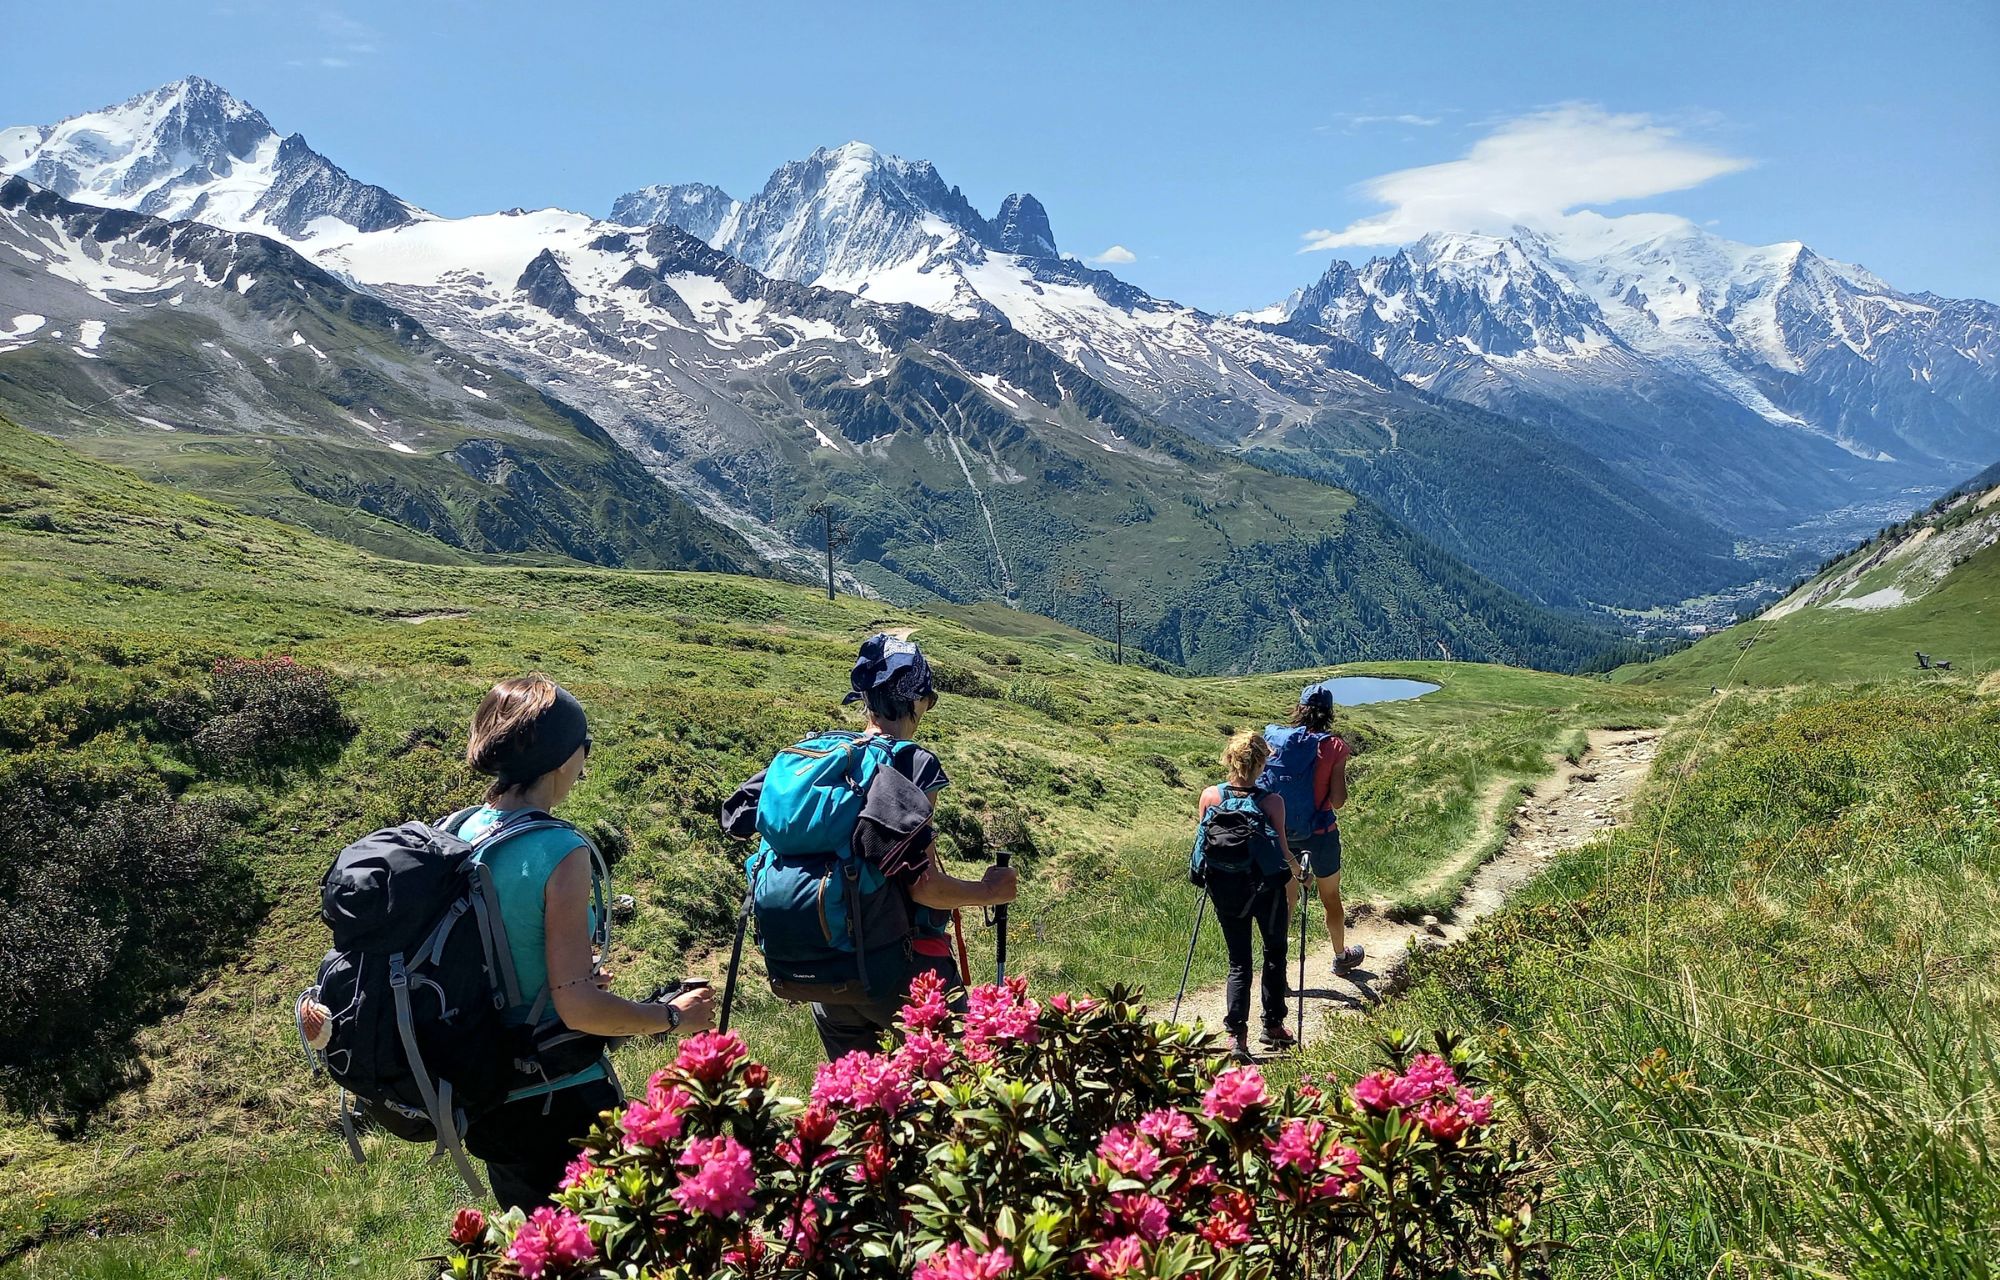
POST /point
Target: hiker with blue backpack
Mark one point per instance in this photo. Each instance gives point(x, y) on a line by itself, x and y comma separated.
point(465, 1002)
point(1308, 768)
point(1243, 864)
point(848, 898)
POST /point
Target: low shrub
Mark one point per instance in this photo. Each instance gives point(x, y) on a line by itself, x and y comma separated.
point(115, 897)
point(269, 712)
point(1027, 1139)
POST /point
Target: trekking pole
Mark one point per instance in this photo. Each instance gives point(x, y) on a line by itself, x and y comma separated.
point(1186, 969)
point(735, 963)
point(1301, 1033)
point(1001, 858)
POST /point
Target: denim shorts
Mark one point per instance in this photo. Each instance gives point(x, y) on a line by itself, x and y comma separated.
point(1322, 852)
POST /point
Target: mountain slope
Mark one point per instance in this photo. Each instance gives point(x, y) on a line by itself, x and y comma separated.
point(227, 362)
point(881, 227)
point(1762, 385)
point(1929, 584)
point(961, 459)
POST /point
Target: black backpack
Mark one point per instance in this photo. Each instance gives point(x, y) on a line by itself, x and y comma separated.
point(419, 981)
point(1235, 841)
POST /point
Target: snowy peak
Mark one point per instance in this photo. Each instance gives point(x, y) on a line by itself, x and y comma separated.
point(695, 207)
point(843, 215)
point(189, 150)
point(1022, 226)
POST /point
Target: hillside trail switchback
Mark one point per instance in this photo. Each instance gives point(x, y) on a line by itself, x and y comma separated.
point(1568, 808)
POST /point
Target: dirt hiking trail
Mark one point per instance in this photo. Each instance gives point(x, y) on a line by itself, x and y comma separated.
point(1569, 807)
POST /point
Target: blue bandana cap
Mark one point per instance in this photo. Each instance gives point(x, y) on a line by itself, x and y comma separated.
point(890, 666)
point(1316, 695)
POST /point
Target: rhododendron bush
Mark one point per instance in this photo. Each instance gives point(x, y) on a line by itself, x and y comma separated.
point(1026, 1138)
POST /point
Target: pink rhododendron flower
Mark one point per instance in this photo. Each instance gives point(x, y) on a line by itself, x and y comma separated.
point(1129, 1153)
point(468, 1228)
point(956, 1262)
point(1297, 1146)
point(1428, 1076)
point(863, 1080)
point(1343, 1165)
point(926, 1009)
point(1202, 1176)
point(1234, 1092)
point(709, 1055)
point(997, 1013)
point(1478, 1111)
point(924, 1055)
point(1170, 1128)
point(550, 1237)
point(1371, 1092)
point(1442, 1120)
point(1065, 1003)
point(1143, 1215)
point(1229, 1225)
point(1119, 1257)
point(577, 1171)
point(722, 1181)
point(655, 1121)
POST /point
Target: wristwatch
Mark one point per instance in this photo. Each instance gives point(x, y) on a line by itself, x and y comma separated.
point(673, 1018)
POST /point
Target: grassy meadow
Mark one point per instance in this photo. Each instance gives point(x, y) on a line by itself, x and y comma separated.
point(1752, 1034)
point(199, 1147)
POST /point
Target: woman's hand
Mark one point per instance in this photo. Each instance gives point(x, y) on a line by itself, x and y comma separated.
point(697, 1009)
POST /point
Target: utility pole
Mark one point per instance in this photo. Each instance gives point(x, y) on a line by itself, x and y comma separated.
point(1118, 628)
point(825, 513)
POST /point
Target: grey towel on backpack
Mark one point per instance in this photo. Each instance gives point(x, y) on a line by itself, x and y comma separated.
point(893, 832)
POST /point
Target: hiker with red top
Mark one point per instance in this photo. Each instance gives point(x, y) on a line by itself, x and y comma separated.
point(1308, 767)
point(848, 896)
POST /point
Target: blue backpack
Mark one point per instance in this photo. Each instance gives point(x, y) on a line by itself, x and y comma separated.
point(833, 928)
point(1288, 774)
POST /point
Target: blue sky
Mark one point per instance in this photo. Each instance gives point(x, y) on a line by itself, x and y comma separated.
point(1210, 141)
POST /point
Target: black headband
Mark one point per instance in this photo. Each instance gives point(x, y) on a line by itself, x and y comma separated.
point(543, 745)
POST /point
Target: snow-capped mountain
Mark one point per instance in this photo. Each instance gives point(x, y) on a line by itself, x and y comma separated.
point(889, 229)
point(1785, 381)
point(962, 459)
point(190, 150)
point(185, 350)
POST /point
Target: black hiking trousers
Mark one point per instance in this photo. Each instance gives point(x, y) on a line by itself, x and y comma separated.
point(527, 1144)
point(848, 1028)
point(1240, 906)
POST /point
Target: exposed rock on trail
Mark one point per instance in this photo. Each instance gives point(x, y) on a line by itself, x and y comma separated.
point(1570, 807)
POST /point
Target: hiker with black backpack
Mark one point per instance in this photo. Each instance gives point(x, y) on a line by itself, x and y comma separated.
point(1308, 767)
point(846, 892)
point(465, 1001)
point(1242, 861)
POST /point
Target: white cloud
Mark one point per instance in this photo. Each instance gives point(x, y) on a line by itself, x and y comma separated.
point(335, 62)
point(1402, 117)
point(1532, 170)
point(1116, 254)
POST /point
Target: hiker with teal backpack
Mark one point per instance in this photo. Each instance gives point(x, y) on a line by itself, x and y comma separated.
point(465, 1001)
point(1243, 863)
point(847, 895)
point(1308, 767)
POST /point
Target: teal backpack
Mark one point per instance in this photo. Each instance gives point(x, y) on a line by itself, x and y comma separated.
point(831, 925)
point(1235, 841)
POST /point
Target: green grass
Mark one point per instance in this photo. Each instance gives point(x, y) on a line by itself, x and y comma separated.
point(1753, 1033)
point(118, 589)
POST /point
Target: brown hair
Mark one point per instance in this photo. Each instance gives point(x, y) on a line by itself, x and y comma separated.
point(505, 715)
point(1315, 716)
point(1244, 757)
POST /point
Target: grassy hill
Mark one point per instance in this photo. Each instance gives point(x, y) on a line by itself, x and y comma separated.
point(193, 1144)
point(1931, 583)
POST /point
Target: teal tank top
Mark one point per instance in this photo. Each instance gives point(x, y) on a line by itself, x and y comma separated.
point(521, 867)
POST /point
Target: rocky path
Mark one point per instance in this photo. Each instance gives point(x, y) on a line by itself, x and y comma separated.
point(1569, 807)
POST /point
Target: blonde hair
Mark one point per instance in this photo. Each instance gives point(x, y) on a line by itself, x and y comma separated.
point(1243, 759)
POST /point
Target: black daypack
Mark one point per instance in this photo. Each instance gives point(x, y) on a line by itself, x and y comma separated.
point(419, 980)
point(1235, 847)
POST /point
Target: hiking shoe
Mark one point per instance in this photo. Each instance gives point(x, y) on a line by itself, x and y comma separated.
point(1239, 1046)
point(1277, 1037)
point(1349, 960)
